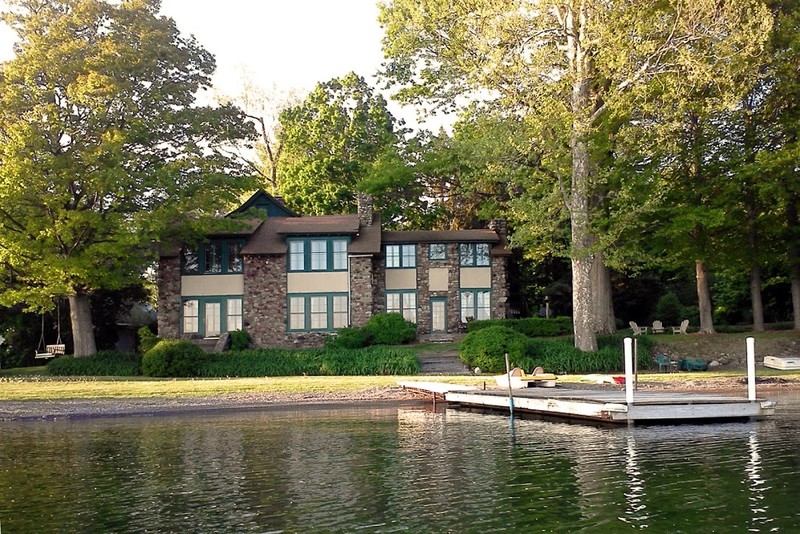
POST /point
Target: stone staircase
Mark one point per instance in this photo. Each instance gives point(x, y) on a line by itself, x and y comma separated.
point(441, 363)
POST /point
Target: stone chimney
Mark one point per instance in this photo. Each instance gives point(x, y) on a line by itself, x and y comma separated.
point(500, 226)
point(365, 208)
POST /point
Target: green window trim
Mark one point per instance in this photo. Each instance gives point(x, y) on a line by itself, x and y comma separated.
point(400, 256)
point(475, 303)
point(437, 251)
point(317, 254)
point(403, 302)
point(305, 312)
point(231, 313)
point(217, 256)
point(474, 255)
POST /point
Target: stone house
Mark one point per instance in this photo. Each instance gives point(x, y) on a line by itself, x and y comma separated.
point(290, 280)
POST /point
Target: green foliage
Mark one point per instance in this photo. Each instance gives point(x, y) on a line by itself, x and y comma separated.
point(147, 339)
point(313, 362)
point(99, 123)
point(173, 358)
point(530, 326)
point(350, 337)
point(240, 340)
point(486, 348)
point(103, 363)
point(330, 143)
point(669, 309)
point(390, 329)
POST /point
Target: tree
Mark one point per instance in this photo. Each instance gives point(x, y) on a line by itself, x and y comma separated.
point(330, 142)
point(568, 65)
point(103, 150)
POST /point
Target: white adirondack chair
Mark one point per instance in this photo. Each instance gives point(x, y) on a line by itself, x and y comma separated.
point(682, 328)
point(658, 327)
point(637, 329)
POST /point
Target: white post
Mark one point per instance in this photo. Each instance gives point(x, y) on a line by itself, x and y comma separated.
point(628, 344)
point(751, 368)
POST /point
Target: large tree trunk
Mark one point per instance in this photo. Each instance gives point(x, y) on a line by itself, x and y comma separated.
point(704, 298)
point(604, 321)
point(80, 314)
point(582, 307)
point(755, 298)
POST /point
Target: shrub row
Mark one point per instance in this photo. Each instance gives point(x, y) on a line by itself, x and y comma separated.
point(486, 349)
point(381, 329)
point(178, 358)
point(529, 326)
point(104, 363)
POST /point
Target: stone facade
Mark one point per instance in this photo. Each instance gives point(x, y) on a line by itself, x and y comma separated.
point(265, 312)
point(362, 294)
point(500, 287)
point(169, 297)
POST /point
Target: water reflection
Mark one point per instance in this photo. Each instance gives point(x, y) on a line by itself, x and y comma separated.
point(395, 469)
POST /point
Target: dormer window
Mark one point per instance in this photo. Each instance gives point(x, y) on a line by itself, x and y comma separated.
point(317, 254)
point(218, 256)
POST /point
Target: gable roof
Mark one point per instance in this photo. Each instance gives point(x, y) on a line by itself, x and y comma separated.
point(261, 200)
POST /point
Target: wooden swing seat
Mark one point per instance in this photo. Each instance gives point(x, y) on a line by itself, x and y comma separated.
point(51, 351)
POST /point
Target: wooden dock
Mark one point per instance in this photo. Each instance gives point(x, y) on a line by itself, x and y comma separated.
point(611, 406)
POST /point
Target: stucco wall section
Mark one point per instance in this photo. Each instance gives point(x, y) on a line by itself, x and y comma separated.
point(402, 278)
point(438, 278)
point(335, 282)
point(211, 285)
point(265, 300)
point(169, 297)
point(476, 277)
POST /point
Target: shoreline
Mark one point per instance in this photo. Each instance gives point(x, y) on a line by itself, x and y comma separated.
point(387, 396)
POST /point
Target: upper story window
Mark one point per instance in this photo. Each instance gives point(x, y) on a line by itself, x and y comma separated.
point(401, 256)
point(474, 255)
point(218, 256)
point(318, 254)
point(437, 251)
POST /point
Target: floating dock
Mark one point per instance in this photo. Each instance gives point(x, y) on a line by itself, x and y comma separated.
point(610, 405)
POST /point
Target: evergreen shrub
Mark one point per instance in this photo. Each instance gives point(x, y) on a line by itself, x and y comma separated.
point(147, 339)
point(350, 337)
point(486, 348)
point(390, 329)
point(240, 340)
point(103, 363)
point(173, 358)
point(529, 326)
point(669, 310)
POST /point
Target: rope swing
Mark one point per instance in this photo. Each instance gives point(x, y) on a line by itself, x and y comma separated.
point(51, 351)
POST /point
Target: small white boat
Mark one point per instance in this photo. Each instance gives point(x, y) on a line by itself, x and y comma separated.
point(781, 363)
point(520, 380)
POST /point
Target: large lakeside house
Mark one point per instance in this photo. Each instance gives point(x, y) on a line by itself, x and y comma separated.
point(290, 280)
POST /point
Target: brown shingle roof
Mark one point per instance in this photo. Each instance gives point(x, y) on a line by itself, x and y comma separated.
point(319, 225)
point(442, 236)
point(270, 238)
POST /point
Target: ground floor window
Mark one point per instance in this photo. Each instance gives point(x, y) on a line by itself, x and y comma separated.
point(318, 312)
point(475, 304)
point(209, 316)
point(404, 303)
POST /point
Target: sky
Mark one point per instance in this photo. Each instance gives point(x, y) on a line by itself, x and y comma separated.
point(282, 44)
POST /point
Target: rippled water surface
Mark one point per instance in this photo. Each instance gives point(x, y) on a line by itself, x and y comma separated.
point(397, 470)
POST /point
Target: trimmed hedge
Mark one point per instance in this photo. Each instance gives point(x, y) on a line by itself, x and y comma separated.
point(173, 358)
point(103, 363)
point(529, 326)
point(313, 362)
point(486, 348)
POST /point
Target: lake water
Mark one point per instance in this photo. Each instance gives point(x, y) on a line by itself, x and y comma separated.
point(407, 469)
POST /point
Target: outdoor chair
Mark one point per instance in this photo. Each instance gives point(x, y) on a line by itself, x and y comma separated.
point(664, 362)
point(682, 328)
point(658, 327)
point(637, 329)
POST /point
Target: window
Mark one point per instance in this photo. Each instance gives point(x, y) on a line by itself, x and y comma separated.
point(401, 256)
point(234, 315)
point(475, 304)
point(191, 317)
point(404, 303)
point(318, 312)
point(219, 256)
point(437, 251)
point(209, 316)
point(318, 254)
point(474, 255)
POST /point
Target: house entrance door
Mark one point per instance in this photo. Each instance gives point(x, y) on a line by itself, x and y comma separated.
point(438, 315)
point(213, 319)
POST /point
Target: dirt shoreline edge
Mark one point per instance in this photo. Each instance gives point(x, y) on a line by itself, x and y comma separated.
point(77, 409)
